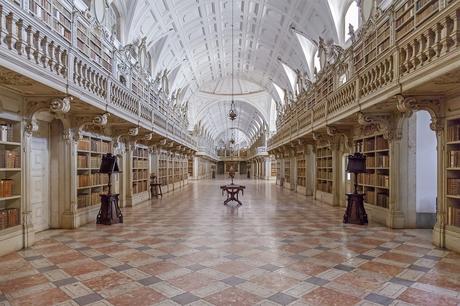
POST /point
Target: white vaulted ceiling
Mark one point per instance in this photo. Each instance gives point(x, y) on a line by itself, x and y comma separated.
point(193, 38)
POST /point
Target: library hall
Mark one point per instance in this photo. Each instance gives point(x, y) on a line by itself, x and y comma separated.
point(230, 152)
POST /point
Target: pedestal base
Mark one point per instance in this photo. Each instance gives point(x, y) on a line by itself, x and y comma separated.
point(355, 212)
point(109, 213)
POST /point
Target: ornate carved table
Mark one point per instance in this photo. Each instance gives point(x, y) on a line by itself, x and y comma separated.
point(232, 192)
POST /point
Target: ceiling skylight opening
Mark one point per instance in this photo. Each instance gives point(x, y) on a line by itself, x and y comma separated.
point(280, 92)
point(291, 74)
point(351, 18)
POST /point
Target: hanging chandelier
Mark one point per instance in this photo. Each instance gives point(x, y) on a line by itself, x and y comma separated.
point(232, 114)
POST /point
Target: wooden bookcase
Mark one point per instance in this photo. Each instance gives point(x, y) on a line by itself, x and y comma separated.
point(90, 183)
point(10, 174)
point(301, 170)
point(453, 172)
point(375, 184)
point(274, 167)
point(170, 175)
point(56, 15)
point(324, 170)
point(163, 168)
point(410, 14)
point(287, 171)
point(190, 167)
point(376, 42)
point(140, 170)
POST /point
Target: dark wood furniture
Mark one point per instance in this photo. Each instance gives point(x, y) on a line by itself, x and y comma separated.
point(155, 188)
point(110, 212)
point(355, 212)
point(232, 192)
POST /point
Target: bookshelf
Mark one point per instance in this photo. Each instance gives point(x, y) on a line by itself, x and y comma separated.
point(453, 172)
point(274, 167)
point(90, 183)
point(163, 169)
point(404, 19)
point(190, 167)
point(170, 174)
point(10, 174)
point(287, 171)
point(324, 169)
point(301, 170)
point(90, 44)
point(177, 170)
point(56, 15)
point(375, 184)
point(140, 170)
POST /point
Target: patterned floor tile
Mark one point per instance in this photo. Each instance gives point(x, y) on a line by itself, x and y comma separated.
point(280, 248)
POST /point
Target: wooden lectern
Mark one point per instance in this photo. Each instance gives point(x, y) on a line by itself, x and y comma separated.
point(110, 212)
point(356, 213)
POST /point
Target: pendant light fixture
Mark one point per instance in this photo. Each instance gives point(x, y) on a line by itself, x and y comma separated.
point(232, 114)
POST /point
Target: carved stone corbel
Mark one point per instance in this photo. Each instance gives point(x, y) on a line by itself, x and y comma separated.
point(80, 123)
point(384, 123)
point(433, 105)
point(337, 138)
point(58, 107)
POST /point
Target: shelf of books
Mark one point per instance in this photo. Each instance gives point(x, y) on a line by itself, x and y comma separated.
point(375, 184)
point(287, 173)
point(453, 173)
point(301, 171)
point(163, 169)
point(10, 174)
point(177, 170)
point(190, 167)
point(324, 170)
point(56, 15)
point(184, 162)
point(170, 173)
point(140, 170)
point(274, 167)
point(90, 183)
point(375, 44)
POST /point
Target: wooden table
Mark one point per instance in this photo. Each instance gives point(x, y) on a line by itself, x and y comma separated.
point(232, 191)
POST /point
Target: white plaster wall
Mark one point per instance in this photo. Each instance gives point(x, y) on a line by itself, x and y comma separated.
point(426, 159)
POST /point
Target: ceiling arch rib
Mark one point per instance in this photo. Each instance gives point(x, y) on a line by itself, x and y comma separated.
point(196, 37)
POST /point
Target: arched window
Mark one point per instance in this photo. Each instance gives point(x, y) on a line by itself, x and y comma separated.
point(317, 62)
point(113, 21)
point(351, 18)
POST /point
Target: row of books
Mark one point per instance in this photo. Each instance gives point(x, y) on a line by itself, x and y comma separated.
point(382, 200)
point(379, 161)
point(453, 133)
point(85, 180)
point(9, 217)
point(301, 181)
point(453, 186)
point(324, 186)
point(453, 216)
point(367, 179)
point(10, 158)
point(383, 180)
point(140, 163)
point(88, 199)
point(6, 188)
point(142, 153)
point(324, 163)
point(454, 159)
point(6, 133)
point(324, 175)
point(94, 146)
point(139, 187)
point(140, 175)
point(94, 162)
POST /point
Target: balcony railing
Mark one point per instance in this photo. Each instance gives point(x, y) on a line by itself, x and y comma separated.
point(28, 45)
point(384, 56)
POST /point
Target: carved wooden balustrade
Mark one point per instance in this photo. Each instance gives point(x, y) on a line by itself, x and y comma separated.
point(30, 47)
point(373, 77)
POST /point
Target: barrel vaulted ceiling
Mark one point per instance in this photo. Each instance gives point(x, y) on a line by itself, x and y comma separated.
point(192, 38)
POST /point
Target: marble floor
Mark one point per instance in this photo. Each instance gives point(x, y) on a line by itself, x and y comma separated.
point(280, 248)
